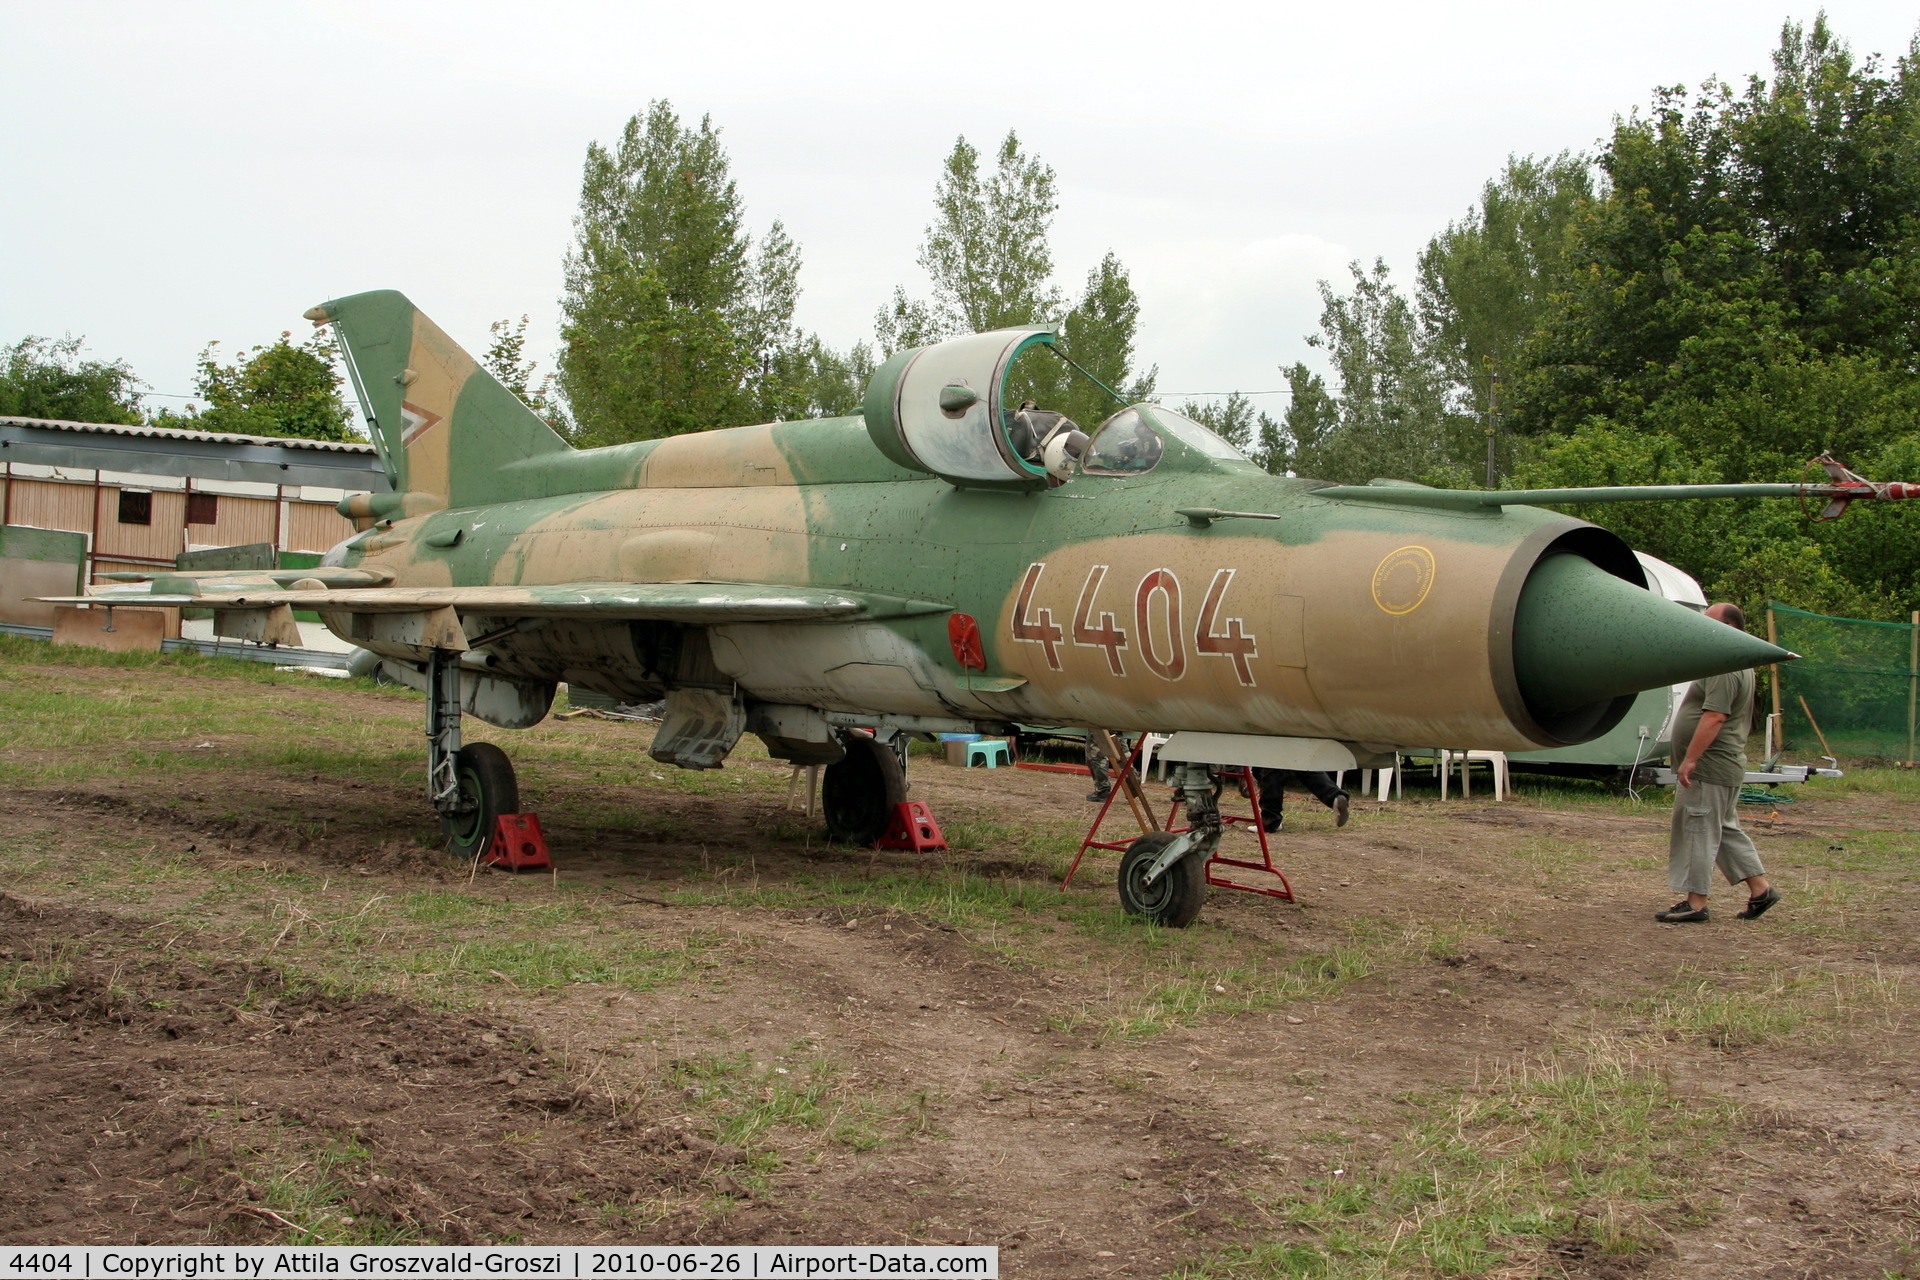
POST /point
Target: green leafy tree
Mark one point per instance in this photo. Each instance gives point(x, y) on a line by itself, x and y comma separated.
point(674, 319)
point(1312, 416)
point(283, 389)
point(46, 378)
point(506, 359)
point(1487, 281)
point(989, 257)
point(1391, 412)
point(1099, 335)
point(987, 249)
point(1745, 289)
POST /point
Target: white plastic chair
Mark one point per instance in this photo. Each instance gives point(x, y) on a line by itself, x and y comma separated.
point(1502, 783)
point(1150, 743)
point(1390, 776)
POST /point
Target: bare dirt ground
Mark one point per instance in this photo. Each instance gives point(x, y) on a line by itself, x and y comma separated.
point(245, 1000)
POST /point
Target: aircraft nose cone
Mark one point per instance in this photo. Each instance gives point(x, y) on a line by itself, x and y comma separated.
point(1582, 636)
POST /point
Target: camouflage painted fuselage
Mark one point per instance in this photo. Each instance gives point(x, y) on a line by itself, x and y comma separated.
point(1097, 604)
point(994, 595)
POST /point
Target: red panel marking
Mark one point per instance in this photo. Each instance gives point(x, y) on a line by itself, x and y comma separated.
point(963, 633)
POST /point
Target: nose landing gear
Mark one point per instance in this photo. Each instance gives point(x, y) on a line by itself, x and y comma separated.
point(1163, 875)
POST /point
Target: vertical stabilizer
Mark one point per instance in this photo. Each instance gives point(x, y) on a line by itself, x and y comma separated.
point(444, 426)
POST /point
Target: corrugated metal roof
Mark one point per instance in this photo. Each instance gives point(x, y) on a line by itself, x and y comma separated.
point(210, 437)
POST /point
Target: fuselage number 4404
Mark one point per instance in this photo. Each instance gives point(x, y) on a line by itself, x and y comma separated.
point(1157, 631)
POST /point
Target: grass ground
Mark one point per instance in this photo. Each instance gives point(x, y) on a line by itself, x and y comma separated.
point(1467, 1050)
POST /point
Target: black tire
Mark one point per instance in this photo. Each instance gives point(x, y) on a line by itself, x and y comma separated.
point(1176, 897)
point(858, 793)
point(488, 788)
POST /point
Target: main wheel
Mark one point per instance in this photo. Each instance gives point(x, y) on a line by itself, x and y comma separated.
point(1174, 899)
point(858, 793)
point(487, 790)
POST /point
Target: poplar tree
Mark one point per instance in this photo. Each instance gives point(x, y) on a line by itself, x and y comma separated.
point(1098, 333)
point(674, 320)
point(506, 359)
point(989, 257)
point(1486, 282)
point(1391, 408)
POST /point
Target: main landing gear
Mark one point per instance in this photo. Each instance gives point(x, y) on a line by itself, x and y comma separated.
point(1163, 875)
point(859, 792)
point(473, 785)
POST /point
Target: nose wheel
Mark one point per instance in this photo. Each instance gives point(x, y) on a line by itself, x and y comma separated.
point(1173, 898)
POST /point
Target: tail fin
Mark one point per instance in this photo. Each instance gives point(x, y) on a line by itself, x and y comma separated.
point(445, 427)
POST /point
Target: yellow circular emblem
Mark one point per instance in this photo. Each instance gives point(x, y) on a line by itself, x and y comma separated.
point(1401, 582)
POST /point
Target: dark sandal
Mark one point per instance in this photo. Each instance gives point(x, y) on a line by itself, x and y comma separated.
point(1687, 916)
point(1757, 907)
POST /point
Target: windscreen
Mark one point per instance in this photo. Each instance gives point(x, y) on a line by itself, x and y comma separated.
point(1125, 445)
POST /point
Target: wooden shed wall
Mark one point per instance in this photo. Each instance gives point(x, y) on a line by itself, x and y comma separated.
point(51, 504)
point(312, 526)
point(240, 520)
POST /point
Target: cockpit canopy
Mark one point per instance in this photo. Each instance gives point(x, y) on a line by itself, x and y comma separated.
point(945, 409)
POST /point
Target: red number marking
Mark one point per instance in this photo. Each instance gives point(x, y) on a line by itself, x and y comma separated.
point(1105, 636)
point(1174, 665)
point(1040, 629)
point(1233, 643)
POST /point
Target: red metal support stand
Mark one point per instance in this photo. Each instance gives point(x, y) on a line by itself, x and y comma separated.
point(1285, 891)
point(1128, 777)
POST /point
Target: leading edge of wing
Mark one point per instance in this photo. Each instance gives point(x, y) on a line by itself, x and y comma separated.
point(705, 603)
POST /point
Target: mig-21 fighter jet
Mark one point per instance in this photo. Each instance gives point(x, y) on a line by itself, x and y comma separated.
point(950, 561)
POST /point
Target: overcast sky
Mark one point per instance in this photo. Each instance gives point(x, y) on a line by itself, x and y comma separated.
point(174, 173)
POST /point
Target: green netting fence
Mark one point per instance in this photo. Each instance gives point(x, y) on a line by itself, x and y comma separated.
point(1860, 681)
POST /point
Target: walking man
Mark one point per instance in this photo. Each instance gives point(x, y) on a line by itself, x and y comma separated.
point(1273, 795)
point(1710, 758)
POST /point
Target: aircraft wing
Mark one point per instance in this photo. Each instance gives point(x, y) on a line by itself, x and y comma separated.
point(698, 603)
point(240, 579)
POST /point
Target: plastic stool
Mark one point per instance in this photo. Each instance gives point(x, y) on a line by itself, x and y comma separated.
point(992, 751)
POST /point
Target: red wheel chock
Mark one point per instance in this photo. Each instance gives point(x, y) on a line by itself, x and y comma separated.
point(517, 843)
point(913, 829)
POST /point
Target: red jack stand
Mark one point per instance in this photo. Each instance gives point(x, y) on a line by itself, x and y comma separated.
point(517, 843)
point(913, 829)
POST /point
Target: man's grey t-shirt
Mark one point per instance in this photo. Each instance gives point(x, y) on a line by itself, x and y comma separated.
point(1725, 761)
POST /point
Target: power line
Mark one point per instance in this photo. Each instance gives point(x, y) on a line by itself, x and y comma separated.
point(1284, 391)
